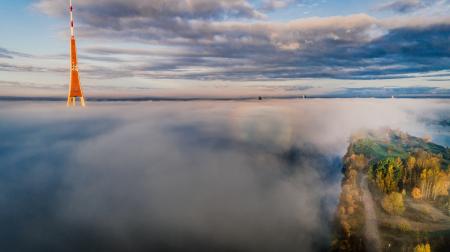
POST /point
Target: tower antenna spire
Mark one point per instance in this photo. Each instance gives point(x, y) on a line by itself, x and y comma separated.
point(72, 33)
point(75, 90)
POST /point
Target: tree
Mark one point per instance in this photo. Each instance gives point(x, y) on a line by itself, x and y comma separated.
point(388, 174)
point(409, 171)
point(393, 203)
point(359, 161)
point(390, 180)
point(430, 179)
point(380, 181)
point(423, 247)
point(427, 247)
point(441, 185)
point(411, 162)
point(416, 193)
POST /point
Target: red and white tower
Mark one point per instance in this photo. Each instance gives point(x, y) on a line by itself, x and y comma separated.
point(75, 90)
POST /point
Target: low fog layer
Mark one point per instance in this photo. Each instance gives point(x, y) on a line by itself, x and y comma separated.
point(185, 176)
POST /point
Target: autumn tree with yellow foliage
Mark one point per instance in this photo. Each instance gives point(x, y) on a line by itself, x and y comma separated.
point(393, 203)
point(420, 174)
point(423, 247)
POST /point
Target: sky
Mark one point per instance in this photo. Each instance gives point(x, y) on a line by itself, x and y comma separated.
point(225, 47)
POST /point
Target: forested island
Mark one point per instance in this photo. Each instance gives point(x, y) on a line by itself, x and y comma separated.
point(395, 194)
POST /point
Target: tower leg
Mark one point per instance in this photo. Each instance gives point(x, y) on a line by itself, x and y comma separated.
point(69, 101)
point(83, 103)
point(72, 101)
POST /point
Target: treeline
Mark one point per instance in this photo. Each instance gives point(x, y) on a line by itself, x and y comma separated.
point(420, 175)
point(350, 211)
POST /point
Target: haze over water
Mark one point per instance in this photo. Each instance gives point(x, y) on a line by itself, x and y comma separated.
point(196, 176)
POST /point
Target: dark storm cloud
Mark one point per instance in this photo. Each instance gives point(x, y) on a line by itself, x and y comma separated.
point(211, 41)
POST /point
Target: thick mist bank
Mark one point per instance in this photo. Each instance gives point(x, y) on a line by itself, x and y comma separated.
point(196, 176)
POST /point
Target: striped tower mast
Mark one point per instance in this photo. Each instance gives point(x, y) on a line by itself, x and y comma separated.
point(75, 90)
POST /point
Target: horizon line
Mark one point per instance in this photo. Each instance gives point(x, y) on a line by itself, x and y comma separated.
point(224, 98)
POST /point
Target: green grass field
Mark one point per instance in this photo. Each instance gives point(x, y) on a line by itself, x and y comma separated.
point(397, 145)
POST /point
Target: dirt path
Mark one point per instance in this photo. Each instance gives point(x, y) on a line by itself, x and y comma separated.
point(430, 210)
point(371, 232)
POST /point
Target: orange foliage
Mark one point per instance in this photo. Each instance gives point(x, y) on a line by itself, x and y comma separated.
point(416, 193)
